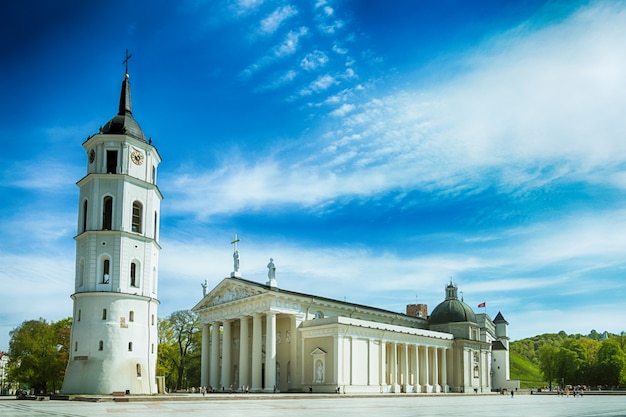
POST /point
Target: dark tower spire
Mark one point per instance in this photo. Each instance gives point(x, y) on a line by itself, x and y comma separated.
point(124, 123)
point(126, 106)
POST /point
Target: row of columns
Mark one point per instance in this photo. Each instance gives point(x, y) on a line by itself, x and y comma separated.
point(428, 367)
point(250, 364)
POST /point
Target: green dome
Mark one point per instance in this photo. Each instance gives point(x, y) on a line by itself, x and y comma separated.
point(452, 310)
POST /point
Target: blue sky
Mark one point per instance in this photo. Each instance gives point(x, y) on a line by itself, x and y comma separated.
point(374, 149)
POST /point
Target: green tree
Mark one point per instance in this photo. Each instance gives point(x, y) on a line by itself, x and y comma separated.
point(594, 335)
point(611, 365)
point(180, 349)
point(548, 362)
point(39, 352)
point(574, 365)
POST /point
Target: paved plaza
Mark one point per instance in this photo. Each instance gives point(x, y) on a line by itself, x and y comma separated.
point(319, 406)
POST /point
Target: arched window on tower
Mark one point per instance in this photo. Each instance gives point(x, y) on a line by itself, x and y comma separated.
point(156, 223)
point(107, 212)
point(81, 273)
point(84, 216)
point(137, 217)
point(106, 267)
point(134, 281)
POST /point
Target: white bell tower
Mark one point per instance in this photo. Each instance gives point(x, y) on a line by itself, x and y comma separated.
point(114, 331)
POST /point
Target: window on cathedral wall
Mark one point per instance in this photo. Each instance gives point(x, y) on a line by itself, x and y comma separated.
point(134, 282)
point(107, 213)
point(75, 346)
point(130, 346)
point(78, 318)
point(137, 217)
point(84, 216)
point(131, 316)
point(104, 314)
point(111, 162)
point(138, 371)
point(101, 345)
point(106, 267)
point(155, 225)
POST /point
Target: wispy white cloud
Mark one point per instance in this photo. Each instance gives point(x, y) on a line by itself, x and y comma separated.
point(314, 60)
point(291, 42)
point(343, 110)
point(27, 175)
point(289, 45)
point(272, 22)
point(323, 82)
point(339, 50)
point(242, 7)
point(327, 23)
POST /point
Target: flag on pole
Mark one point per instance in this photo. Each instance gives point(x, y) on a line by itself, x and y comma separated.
point(483, 304)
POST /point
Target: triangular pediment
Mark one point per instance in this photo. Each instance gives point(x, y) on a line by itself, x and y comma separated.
point(318, 351)
point(229, 290)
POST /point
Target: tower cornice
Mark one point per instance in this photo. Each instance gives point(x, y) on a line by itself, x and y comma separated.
point(127, 178)
point(124, 233)
point(118, 295)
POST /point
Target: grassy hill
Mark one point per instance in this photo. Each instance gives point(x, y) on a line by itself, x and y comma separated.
point(528, 374)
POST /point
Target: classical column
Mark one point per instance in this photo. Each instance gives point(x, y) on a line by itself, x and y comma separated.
point(405, 367)
point(270, 351)
point(436, 386)
point(204, 360)
point(293, 371)
point(338, 371)
point(244, 351)
point(416, 369)
point(426, 370)
point(437, 371)
point(371, 378)
point(257, 352)
point(393, 380)
point(444, 369)
point(383, 368)
point(215, 355)
point(226, 353)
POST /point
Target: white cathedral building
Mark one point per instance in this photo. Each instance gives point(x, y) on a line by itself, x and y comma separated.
point(114, 330)
point(255, 336)
point(263, 338)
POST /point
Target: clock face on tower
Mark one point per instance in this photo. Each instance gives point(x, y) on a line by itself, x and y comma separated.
point(136, 157)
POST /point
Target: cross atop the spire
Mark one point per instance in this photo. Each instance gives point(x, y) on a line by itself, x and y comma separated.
point(125, 61)
point(235, 272)
point(234, 242)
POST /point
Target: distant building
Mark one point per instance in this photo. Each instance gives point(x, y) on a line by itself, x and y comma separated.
point(4, 383)
point(263, 338)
